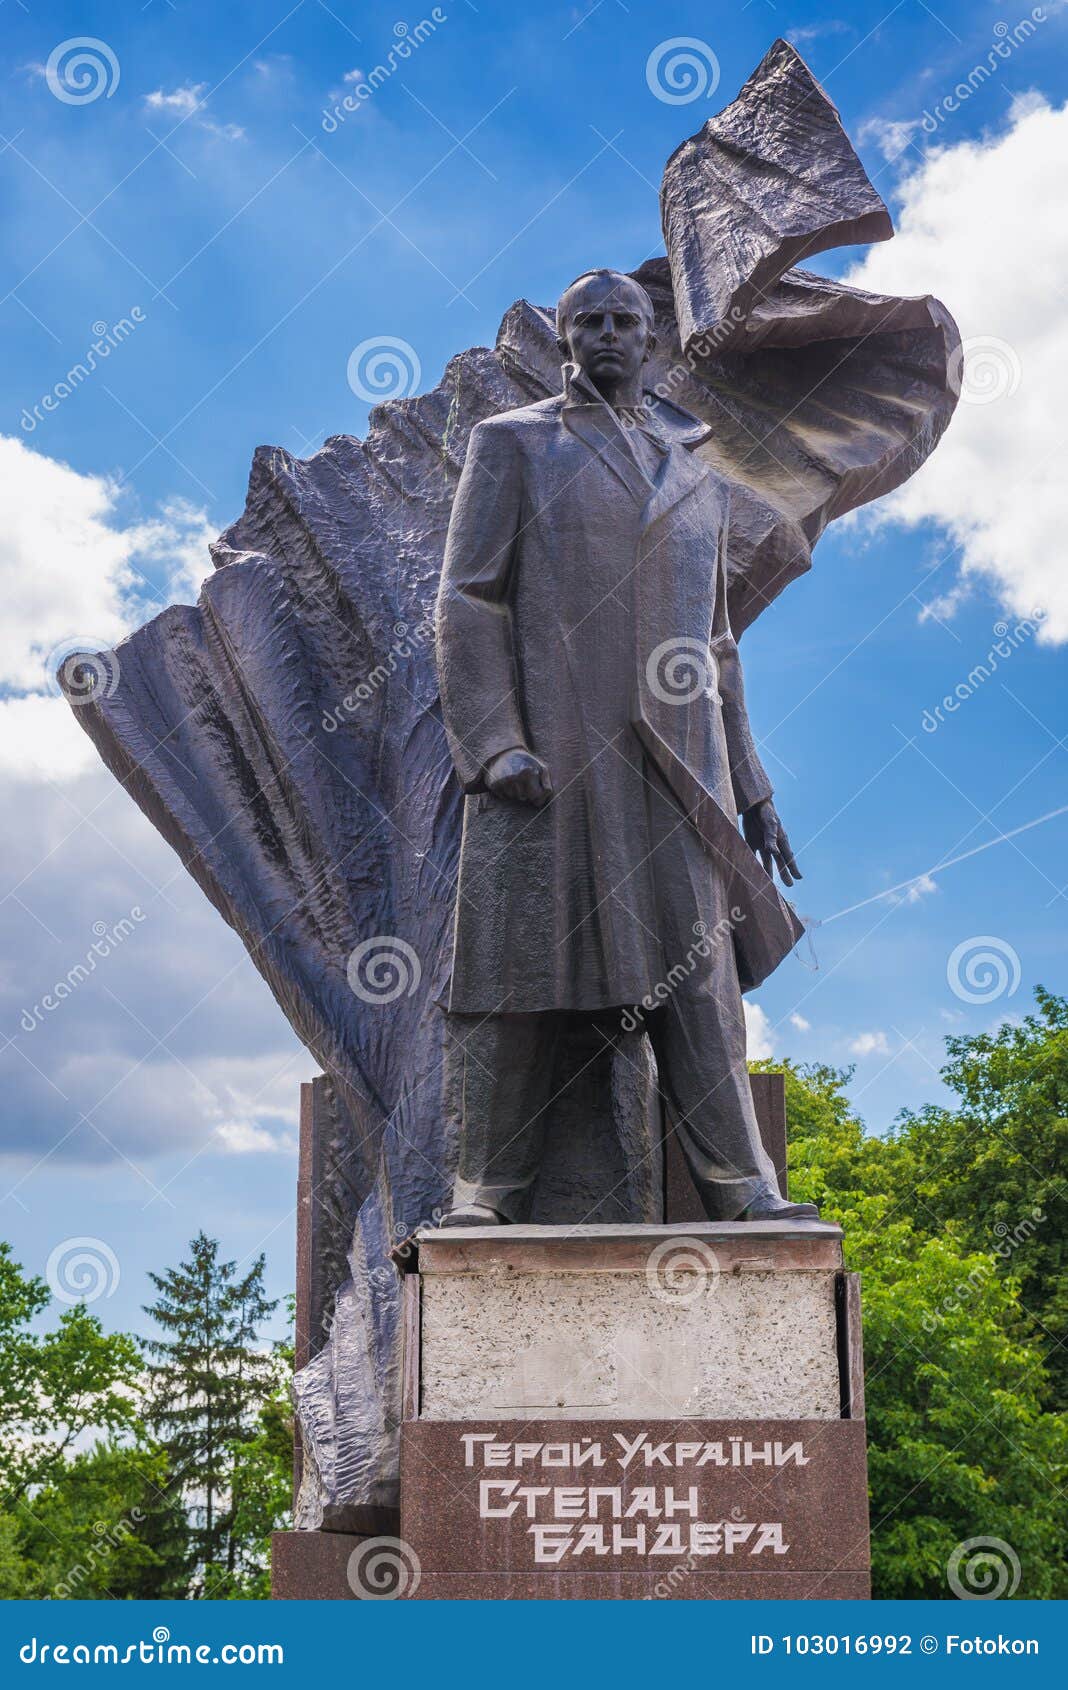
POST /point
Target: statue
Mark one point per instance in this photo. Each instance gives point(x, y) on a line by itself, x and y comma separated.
point(585, 570)
point(285, 735)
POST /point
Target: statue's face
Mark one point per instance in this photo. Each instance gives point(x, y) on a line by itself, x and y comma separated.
point(607, 330)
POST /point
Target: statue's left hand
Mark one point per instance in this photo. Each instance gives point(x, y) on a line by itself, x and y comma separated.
point(766, 836)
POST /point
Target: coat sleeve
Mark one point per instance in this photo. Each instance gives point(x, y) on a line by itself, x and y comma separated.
point(475, 650)
point(748, 776)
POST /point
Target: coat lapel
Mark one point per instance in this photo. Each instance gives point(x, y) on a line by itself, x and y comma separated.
point(680, 475)
point(585, 414)
point(593, 425)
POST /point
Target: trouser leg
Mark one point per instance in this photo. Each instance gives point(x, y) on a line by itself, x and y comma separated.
point(507, 1075)
point(699, 1040)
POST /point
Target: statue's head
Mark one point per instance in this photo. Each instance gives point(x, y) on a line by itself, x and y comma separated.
point(604, 324)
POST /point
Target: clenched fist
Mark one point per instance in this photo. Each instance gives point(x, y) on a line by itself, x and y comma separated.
point(519, 775)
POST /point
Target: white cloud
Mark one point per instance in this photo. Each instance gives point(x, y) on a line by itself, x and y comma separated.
point(187, 103)
point(870, 1044)
point(72, 577)
point(891, 136)
point(799, 1022)
point(182, 102)
point(758, 1039)
point(921, 887)
point(801, 36)
point(162, 1035)
point(244, 1138)
point(977, 228)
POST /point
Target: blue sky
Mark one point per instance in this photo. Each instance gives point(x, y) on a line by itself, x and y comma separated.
point(201, 198)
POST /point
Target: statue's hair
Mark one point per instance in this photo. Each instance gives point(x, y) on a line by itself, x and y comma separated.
point(588, 275)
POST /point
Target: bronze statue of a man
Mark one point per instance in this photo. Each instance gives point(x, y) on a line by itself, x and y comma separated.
point(592, 695)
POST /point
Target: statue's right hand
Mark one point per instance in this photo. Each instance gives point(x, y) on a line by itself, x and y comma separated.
point(519, 775)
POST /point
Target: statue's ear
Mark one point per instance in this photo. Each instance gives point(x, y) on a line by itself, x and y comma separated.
point(563, 348)
point(650, 346)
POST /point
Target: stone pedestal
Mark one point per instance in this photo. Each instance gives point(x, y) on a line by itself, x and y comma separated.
point(743, 1341)
point(664, 1411)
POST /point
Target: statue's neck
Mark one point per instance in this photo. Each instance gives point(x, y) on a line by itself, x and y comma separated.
point(621, 396)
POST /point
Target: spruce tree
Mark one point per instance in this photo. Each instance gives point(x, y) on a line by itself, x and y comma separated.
point(208, 1380)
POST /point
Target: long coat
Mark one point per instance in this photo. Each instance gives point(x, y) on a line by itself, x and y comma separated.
point(582, 615)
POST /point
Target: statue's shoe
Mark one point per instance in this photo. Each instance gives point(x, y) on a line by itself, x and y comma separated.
point(768, 1207)
point(472, 1214)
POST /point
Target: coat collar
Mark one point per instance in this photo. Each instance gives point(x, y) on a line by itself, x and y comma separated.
point(661, 418)
point(605, 431)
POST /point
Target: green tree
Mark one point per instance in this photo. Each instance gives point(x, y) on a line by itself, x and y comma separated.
point(208, 1380)
point(108, 1525)
point(263, 1483)
point(55, 1386)
point(996, 1167)
point(961, 1444)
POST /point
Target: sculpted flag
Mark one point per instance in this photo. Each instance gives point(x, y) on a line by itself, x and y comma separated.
point(285, 735)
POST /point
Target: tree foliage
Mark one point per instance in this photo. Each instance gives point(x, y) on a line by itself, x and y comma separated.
point(955, 1221)
point(208, 1380)
point(190, 1466)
